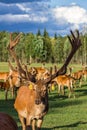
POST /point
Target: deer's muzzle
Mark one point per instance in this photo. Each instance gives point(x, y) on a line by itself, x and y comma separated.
point(37, 101)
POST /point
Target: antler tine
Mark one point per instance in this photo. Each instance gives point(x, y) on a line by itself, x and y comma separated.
point(73, 38)
point(11, 66)
point(55, 68)
point(50, 70)
point(10, 37)
point(23, 72)
point(72, 34)
point(13, 54)
point(69, 39)
point(76, 43)
point(26, 70)
point(17, 37)
point(15, 41)
point(77, 33)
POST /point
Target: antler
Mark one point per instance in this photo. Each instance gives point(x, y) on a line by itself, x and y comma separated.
point(75, 43)
point(14, 42)
point(10, 48)
point(11, 66)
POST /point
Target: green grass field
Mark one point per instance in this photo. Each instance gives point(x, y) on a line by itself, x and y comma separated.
point(64, 113)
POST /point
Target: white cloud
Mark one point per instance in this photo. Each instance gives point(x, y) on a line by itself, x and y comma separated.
point(74, 15)
point(22, 18)
point(13, 18)
point(3, 4)
point(21, 12)
point(59, 18)
point(23, 8)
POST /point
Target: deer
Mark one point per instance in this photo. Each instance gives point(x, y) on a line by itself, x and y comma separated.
point(32, 102)
point(4, 76)
point(4, 82)
point(85, 74)
point(63, 81)
point(14, 79)
point(40, 72)
point(10, 81)
point(78, 76)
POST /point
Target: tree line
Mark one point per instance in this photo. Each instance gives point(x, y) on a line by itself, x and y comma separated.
point(42, 48)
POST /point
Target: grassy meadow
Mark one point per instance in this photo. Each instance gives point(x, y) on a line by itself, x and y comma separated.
point(64, 113)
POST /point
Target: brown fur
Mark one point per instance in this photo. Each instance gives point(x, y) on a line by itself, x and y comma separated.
point(64, 81)
point(85, 74)
point(11, 81)
point(4, 75)
point(78, 76)
point(40, 72)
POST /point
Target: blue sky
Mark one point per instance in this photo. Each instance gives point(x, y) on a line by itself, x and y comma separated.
point(57, 16)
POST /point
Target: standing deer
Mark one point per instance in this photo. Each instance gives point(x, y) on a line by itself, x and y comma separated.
point(32, 98)
point(65, 81)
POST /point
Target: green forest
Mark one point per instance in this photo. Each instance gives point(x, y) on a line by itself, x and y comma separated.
point(41, 48)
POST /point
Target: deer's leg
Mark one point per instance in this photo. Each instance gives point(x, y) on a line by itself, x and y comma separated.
point(85, 77)
point(59, 89)
point(33, 124)
point(6, 94)
point(15, 91)
point(39, 124)
point(49, 88)
point(74, 84)
point(12, 91)
point(71, 90)
point(28, 123)
point(80, 83)
point(63, 90)
point(22, 122)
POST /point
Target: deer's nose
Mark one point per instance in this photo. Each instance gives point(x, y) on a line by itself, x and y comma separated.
point(37, 101)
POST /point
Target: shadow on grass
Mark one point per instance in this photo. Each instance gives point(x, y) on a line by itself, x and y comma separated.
point(65, 104)
point(82, 91)
point(20, 128)
point(62, 101)
point(63, 126)
point(70, 125)
point(8, 107)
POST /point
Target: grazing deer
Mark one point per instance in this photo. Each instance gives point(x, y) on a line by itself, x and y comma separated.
point(32, 98)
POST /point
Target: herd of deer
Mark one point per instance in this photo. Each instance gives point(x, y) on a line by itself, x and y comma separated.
point(31, 101)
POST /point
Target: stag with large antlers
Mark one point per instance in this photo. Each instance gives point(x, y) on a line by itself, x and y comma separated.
point(32, 98)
